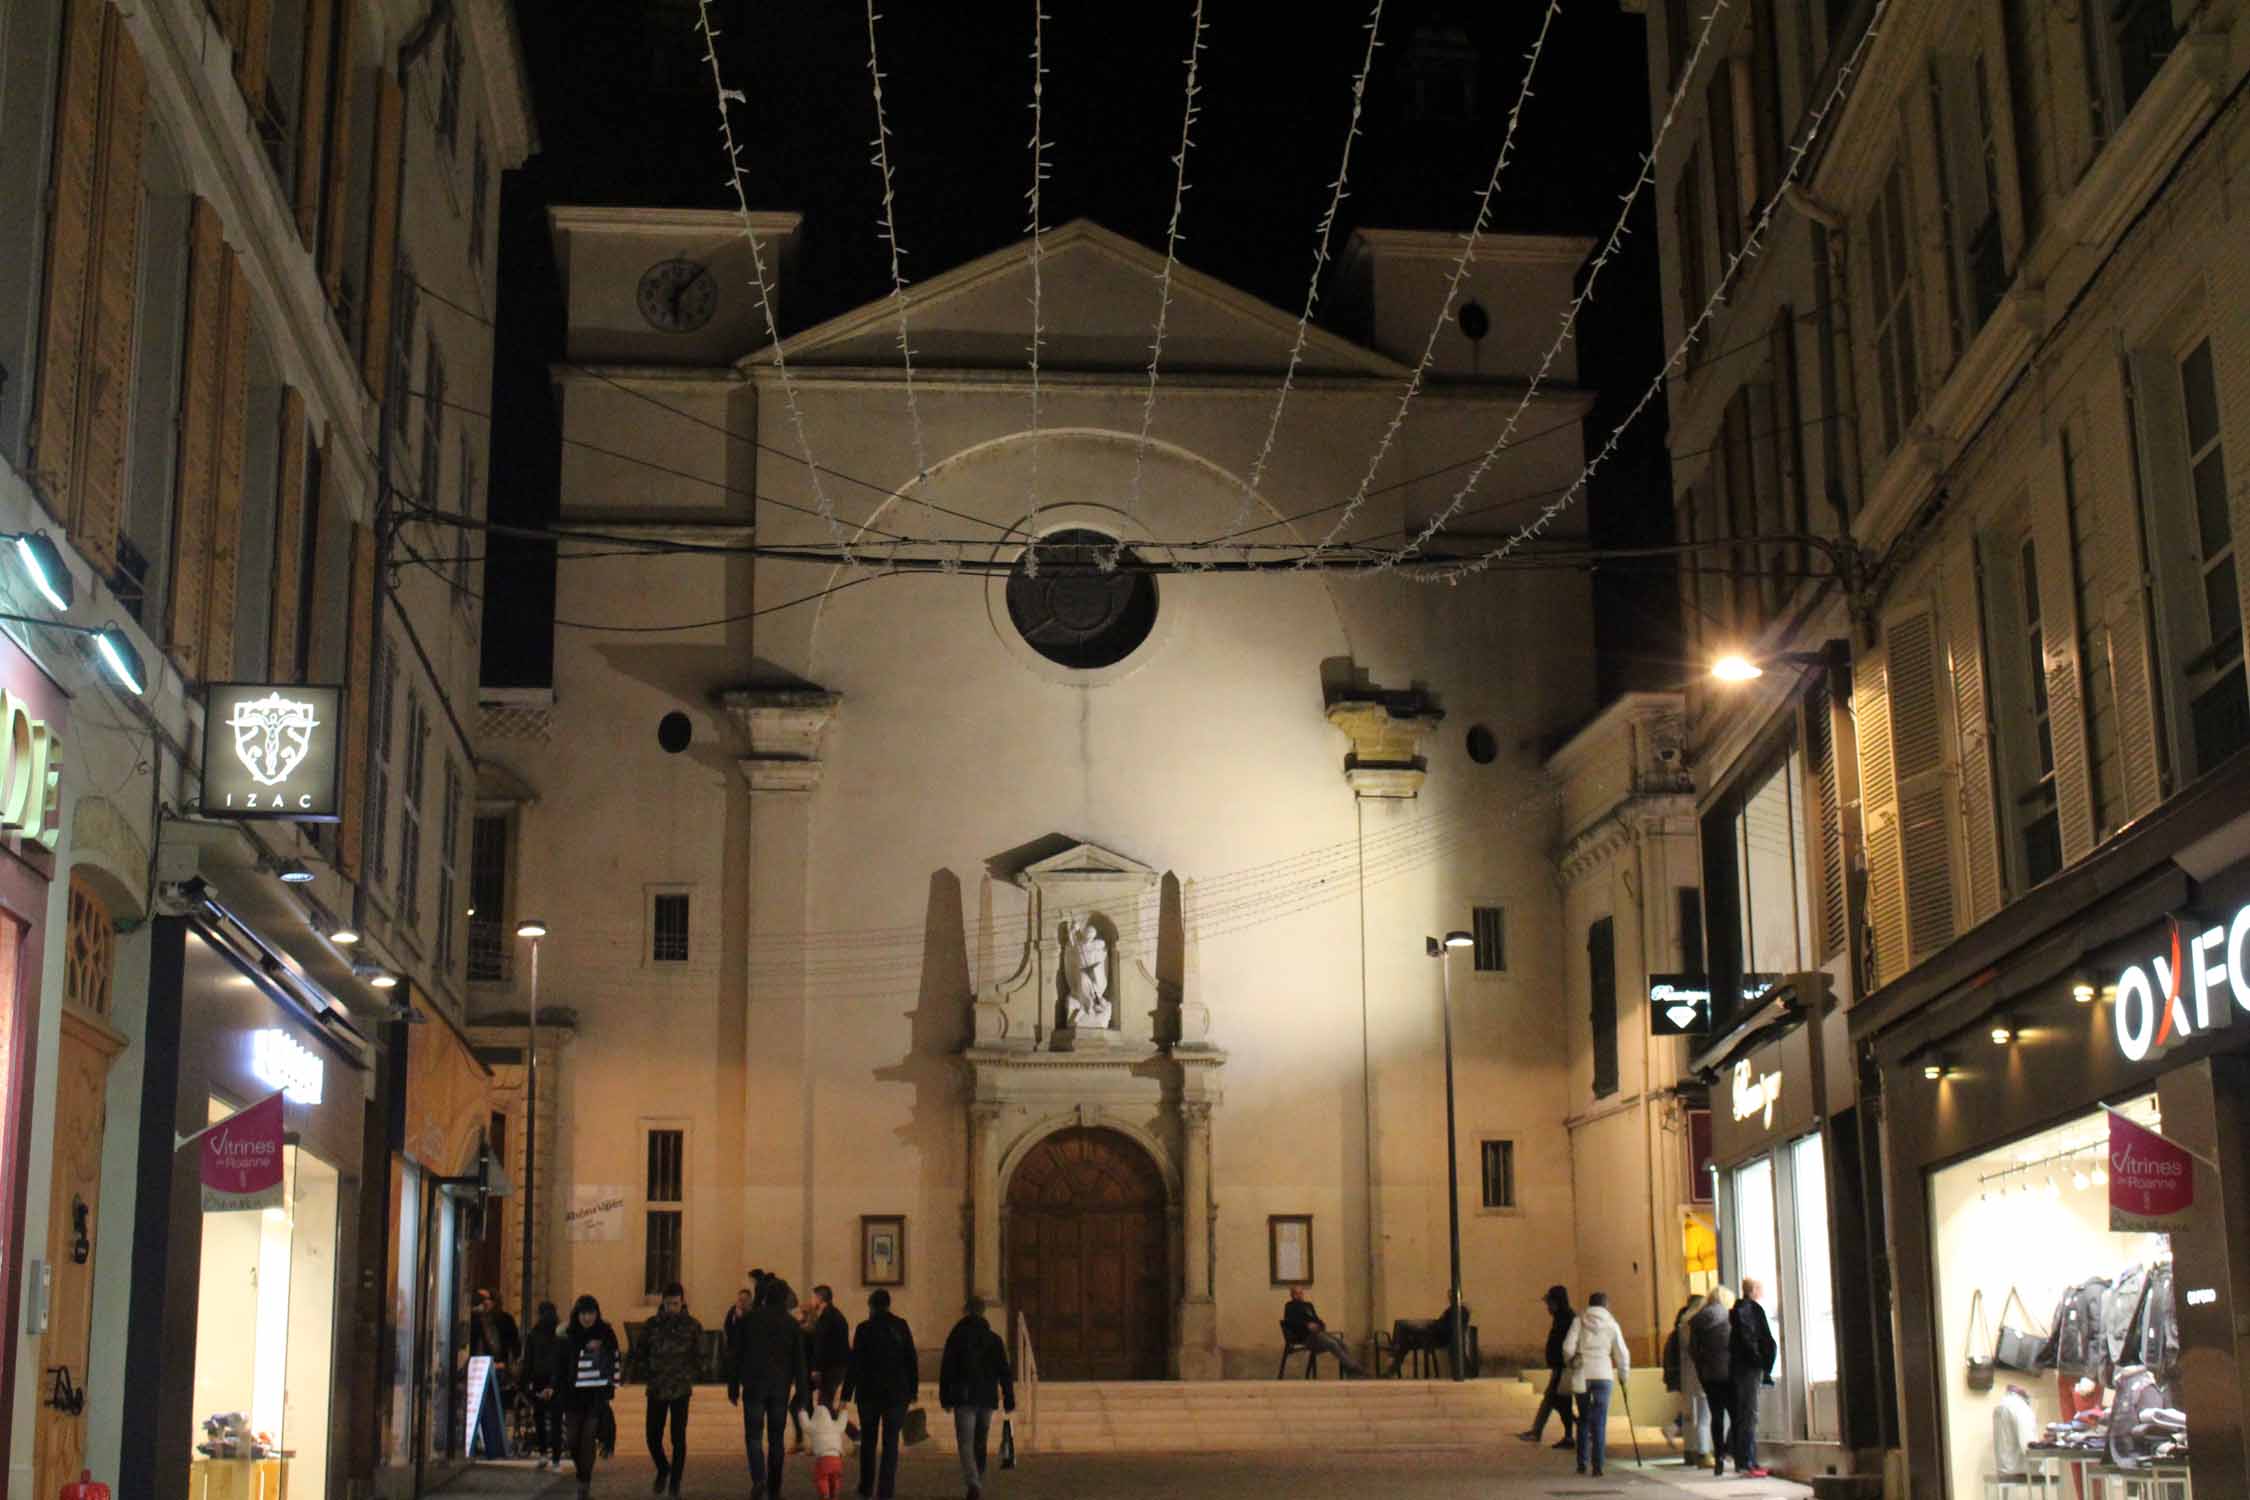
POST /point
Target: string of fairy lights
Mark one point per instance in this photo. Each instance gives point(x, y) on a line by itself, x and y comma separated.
point(1461, 264)
point(888, 229)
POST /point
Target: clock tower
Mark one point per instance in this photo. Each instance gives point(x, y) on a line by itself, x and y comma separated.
point(667, 286)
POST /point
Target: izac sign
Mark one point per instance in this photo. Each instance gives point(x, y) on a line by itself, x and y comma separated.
point(271, 751)
point(2170, 998)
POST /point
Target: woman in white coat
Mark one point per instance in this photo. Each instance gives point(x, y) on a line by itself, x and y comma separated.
point(1597, 1358)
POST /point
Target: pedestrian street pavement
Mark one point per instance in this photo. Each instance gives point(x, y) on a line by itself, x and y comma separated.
point(1343, 1472)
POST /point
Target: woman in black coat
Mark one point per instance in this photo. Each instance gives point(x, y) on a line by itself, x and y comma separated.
point(590, 1357)
point(542, 1374)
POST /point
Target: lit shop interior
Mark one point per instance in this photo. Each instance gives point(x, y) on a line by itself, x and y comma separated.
point(264, 1318)
point(2021, 1241)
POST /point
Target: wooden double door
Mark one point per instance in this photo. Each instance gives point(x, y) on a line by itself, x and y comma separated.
point(1088, 1257)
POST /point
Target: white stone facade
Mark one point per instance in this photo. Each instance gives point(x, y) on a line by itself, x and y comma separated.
point(876, 822)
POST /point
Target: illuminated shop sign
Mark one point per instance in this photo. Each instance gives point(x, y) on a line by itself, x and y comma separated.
point(271, 751)
point(1755, 1093)
point(281, 1061)
point(2170, 998)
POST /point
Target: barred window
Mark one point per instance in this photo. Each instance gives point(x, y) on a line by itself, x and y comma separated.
point(1499, 1174)
point(668, 927)
point(1490, 926)
point(661, 1262)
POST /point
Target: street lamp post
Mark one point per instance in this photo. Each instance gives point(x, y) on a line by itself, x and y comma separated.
point(1455, 1336)
point(534, 929)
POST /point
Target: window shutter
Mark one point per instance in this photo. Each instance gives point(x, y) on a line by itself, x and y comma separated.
point(228, 478)
point(288, 541)
point(1962, 142)
point(105, 409)
point(312, 114)
point(2129, 642)
point(253, 47)
point(1918, 761)
point(1828, 823)
point(2058, 618)
point(336, 211)
point(382, 239)
point(1972, 724)
point(359, 673)
point(200, 383)
point(1878, 793)
point(74, 190)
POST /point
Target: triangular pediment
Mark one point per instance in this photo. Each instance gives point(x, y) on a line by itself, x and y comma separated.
point(1061, 859)
point(1098, 294)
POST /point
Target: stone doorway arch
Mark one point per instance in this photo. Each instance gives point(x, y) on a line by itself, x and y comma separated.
point(1087, 1256)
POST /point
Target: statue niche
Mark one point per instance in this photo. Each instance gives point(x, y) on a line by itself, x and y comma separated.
point(1087, 979)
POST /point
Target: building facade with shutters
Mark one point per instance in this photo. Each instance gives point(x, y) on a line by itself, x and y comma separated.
point(215, 397)
point(2019, 701)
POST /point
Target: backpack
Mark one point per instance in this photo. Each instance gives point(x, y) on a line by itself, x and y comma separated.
point(2158, 1336)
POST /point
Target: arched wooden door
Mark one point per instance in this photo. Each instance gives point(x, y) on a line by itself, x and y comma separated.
point(1088, 1265)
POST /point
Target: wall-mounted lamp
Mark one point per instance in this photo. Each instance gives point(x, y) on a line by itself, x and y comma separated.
point(1736, 667)
point(1936, 1068)
point(43, 563)
point(344, 936)
point(119, 657)
point(2004, 1031)
point(2083, 989)
point(376, 976)
point(292, 872)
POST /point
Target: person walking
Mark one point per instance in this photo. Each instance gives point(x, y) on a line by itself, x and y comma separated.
point(542, 1374)
point(883, 1376)
point(1753, 1353)
point(1560, 1315)
point(1711, 1347)
point(1595, 1352)
point(672, 1347)
point(1694, 1419)
point(830, 1353)
point(767, 1380)
point(735, 1315)
point(590, 1356)
point(974, 1380)
point(827, 1423)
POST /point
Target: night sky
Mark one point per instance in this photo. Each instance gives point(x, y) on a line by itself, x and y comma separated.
point(626, 115)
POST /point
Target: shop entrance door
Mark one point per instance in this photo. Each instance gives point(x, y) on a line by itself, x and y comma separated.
point(73, 1237)
point(1086, 1256)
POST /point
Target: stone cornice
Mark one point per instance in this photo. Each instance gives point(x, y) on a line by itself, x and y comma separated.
point(781, 727)
point(1386, 732)
point(1586, 852)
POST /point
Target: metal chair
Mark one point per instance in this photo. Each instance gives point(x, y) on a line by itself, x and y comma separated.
point(1291, 1346)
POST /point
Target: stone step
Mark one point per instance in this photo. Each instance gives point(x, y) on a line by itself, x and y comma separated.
point(1176, 1416)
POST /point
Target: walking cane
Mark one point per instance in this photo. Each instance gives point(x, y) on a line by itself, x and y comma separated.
point(1630, 1426)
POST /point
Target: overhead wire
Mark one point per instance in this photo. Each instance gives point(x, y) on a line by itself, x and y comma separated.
point(1461, 264)
point(888, 229)
point(1645, 177)
point(1751, 244)
point(1037, 231)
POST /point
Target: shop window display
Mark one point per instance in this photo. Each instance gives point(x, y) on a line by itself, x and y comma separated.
point(265, 1326)
point(2083, 1321)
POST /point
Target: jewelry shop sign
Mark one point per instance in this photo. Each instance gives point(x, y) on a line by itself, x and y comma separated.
point(273, 750)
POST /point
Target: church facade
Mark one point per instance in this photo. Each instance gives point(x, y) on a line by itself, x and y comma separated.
point(1056, 935)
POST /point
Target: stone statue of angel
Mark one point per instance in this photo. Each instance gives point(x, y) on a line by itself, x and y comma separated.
point(1085, 975)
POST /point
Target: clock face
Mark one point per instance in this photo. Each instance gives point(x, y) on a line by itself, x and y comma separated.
point(678, 296)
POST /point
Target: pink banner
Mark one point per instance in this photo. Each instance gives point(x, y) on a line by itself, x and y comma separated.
point(2151, 1180)
point(242, 1160)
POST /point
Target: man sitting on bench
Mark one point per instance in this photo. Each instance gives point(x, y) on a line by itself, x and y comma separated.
point(1301, 1325)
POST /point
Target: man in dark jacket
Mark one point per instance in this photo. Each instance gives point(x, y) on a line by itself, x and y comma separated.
point(974, 1379)
point(1557, 1399)
point(767, 1380)
point(672, 1353)
point(831, 1351)
point(1301, 1326)
point(1752, 1357)
point(883, 1376)
point(1711, 1346)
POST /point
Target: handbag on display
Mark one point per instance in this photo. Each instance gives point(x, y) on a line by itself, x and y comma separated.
point(2016, 1349)
point(1007, 1444)
point(1980, 1344)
